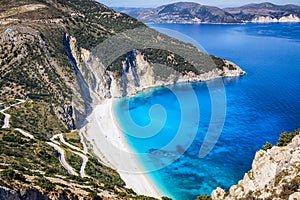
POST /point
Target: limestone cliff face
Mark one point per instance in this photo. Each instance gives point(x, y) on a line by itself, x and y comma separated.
point(275, 174)
point(96, 82)
point(268, 19)
point(136, 74)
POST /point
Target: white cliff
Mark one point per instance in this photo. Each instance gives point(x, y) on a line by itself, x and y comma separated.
point(268, 19)
point(275, 175)
point(141, 76)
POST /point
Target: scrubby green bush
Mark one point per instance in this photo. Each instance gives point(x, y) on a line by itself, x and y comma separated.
point(267, 146)
point(203, 197)
point(286, 138)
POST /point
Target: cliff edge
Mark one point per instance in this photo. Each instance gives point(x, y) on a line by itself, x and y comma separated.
point(275, 174)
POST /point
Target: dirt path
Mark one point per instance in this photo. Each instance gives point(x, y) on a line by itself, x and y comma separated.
point(62, 158)
point(77, 150)
point(53, 143)
point(25, 133)
point(7, 116)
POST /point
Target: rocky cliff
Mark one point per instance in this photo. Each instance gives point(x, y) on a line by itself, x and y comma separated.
point(275, 174)
point(112, 70)
point(34, 194)
point(136, 72)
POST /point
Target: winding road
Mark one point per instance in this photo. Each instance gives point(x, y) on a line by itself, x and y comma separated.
point(7, 116)
point(77, 150)
point(53, 143)
point(25, 133)
point(83, 165)
point(62, 158)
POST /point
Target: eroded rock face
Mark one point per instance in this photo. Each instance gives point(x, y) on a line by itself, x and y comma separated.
point(66, 115)
point(96, 82)
point(275, 174)
point(138, 74)
point(7, 194)
point(35, 194)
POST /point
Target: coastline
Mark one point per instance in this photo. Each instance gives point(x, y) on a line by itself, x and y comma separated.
point(109, 144)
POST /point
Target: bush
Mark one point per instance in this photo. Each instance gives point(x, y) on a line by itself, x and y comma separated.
point(267, 146)
point(203, 197)
point(45, 183)
point(286, 138)
point(10, 174)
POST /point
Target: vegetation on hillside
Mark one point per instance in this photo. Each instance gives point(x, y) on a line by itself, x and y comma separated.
point(38, 118)
point(73, 138)
point(34, 66)
point(1, 119)
point(31, 161)
point(170, 62)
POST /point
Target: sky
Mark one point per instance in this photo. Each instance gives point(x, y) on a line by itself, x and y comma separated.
point(219, 3)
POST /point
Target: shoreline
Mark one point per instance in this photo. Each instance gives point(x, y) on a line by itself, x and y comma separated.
point(109, 144)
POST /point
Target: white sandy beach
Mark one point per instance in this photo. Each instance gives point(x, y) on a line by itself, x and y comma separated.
point(110, 146)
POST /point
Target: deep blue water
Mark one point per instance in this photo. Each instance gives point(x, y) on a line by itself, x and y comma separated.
point(259, 106)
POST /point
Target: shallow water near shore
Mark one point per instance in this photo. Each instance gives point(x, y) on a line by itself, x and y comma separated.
point(259, 106)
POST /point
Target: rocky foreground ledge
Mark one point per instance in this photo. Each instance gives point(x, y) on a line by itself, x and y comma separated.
point(275, 174)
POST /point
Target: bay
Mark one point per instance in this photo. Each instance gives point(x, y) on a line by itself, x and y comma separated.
point(259, 106)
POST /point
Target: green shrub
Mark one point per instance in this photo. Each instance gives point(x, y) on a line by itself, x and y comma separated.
point(203, 197)
point(286, 138)
point(45, 183)
point(10, 174)
point(267, 146)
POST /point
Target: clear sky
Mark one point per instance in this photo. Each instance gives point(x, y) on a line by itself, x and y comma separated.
point(220, 3)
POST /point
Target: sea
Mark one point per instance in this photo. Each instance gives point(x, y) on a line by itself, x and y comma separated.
point(194, 137)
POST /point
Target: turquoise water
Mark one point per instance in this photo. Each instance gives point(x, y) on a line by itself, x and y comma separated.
point(259, 106)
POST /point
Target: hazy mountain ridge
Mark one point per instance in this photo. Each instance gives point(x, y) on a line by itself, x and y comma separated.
point(187, 12)
point(184, 12)
point(268, 11)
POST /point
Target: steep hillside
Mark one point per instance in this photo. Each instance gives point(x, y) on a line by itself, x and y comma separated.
point(36, 68)
point(31, 37)
point(184, 12)
point(266, 12)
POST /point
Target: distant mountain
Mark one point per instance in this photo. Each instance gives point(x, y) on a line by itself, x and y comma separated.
point(266, 12)
point(132, 11)
point(183, 12)
point(187, 12)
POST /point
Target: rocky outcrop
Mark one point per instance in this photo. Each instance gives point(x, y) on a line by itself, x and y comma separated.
point(66, 115)
point(138, 74)
point(34, 194)
point(275, 174)
point(7, 194)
